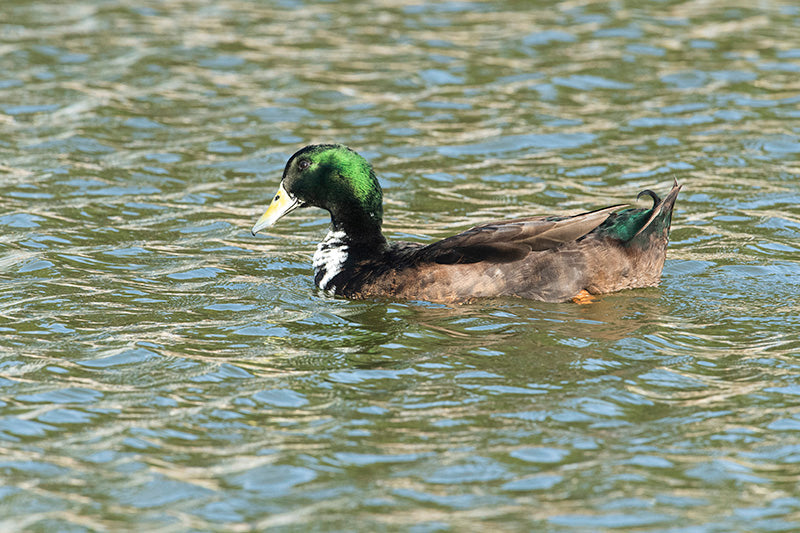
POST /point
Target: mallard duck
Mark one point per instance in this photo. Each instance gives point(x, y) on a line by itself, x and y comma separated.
point(553, 258)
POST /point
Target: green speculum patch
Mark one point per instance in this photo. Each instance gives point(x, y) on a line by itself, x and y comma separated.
point(626, 223)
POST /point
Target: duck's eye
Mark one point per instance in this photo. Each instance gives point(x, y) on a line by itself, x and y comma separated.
point(303, 164)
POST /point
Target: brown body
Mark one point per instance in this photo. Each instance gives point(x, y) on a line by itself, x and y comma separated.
point(546, 259)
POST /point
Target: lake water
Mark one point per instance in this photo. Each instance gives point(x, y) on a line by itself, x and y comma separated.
point(162, 369)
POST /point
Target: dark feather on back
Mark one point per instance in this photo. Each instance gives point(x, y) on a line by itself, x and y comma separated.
point(512, 240)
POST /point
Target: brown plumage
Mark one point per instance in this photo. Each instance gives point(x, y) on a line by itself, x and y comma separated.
point(546, 258)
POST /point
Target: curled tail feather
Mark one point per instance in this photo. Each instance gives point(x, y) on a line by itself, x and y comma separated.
point(659, 206)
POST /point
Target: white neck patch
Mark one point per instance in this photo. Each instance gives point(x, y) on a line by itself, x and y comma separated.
point(329, 258)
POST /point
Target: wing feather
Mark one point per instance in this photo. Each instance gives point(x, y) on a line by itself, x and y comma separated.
point(511, 240)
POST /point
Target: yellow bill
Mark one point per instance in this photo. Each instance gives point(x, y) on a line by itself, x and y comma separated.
point(282, 204)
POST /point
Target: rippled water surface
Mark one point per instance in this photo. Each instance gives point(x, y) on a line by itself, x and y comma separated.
point(161, 369)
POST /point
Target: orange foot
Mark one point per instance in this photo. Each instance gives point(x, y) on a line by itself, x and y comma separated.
point(583, 297)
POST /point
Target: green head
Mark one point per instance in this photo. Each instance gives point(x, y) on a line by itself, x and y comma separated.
point(335, 178)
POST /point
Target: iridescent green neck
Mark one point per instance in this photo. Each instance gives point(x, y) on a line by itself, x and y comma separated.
point(353, 180)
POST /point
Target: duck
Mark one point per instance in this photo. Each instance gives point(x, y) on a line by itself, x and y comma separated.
point(555, 258)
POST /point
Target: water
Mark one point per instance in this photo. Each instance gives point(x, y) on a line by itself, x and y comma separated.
point(162, 369)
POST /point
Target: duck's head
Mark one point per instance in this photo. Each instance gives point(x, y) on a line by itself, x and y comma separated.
point(333, 177)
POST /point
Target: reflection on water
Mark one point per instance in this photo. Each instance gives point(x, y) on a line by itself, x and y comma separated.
point(160, 367)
